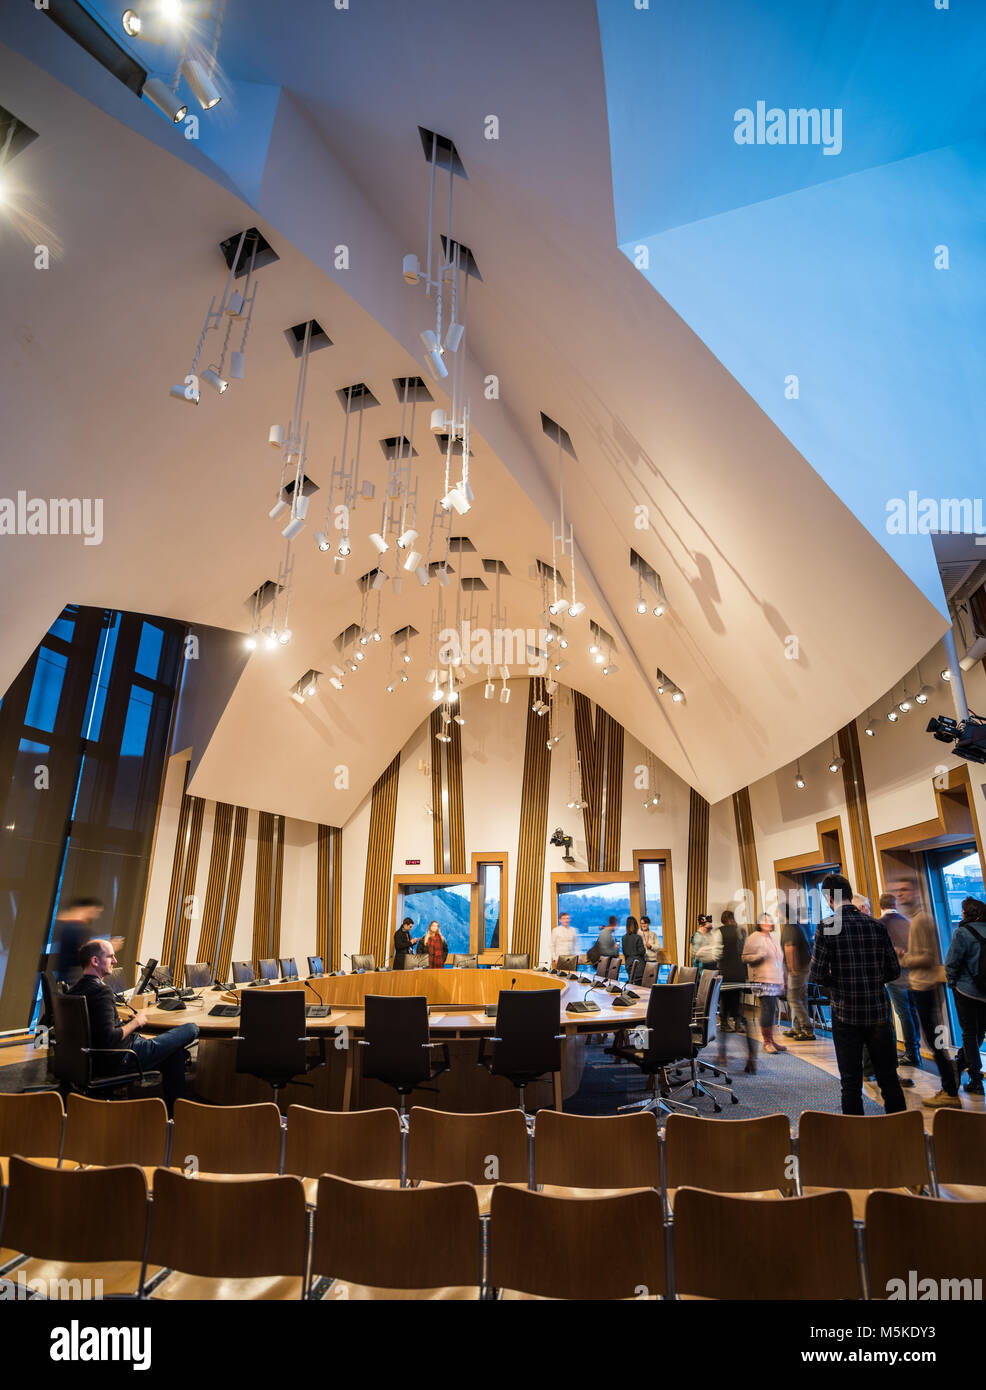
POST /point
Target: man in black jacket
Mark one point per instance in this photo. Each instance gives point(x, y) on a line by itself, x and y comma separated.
point(165, 1054)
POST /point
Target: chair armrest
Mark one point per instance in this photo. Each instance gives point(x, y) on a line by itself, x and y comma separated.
point(113, 1051)
point(361, 1042)
point(561, 1037)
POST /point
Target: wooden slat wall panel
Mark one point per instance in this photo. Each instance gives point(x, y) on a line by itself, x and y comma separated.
point(747, 850)
point(262, 886)
point(437, 803)
point(595, 796)
point(274, 943)
point(696, 897)
point(526, 936)
point(614, 798)
point(336, 899)
point(860, 836)
point(184, 924)
point(582, 707)
point(232, 904)
point(323, 895)
point(174, 892)
point(457, 823)
point(379, 864)
point(215, 890)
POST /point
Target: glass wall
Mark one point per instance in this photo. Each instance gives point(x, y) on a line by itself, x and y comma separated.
point(447, 904)
point(83, 741)
point(591, 905)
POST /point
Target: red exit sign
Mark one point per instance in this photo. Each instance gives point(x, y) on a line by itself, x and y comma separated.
point(412, 861)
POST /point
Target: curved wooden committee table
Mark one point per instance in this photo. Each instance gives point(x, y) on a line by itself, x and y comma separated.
point(456, 1001)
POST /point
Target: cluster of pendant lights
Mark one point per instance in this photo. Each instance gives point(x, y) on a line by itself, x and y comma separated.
point(892, 715)
point(159, 22)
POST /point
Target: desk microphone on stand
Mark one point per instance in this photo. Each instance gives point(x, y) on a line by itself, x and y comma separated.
point(490, 1010)
point(585, 1005)
point(319, 1010)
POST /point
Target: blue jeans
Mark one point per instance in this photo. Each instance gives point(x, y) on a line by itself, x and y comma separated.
point(926, 1002)
point(166, 1054)
point(850, 1039)
point(907, 1015)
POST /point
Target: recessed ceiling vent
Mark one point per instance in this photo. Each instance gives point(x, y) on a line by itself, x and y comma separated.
point(557, 435)
point(461, 544)
point(15, 136)
point(348, 636)
point(252, 238)
point(495, 567)
point(296, 337)
point(398, 446)
point(442, 441)
point(473, 585)
point(359, 395)
point(264, 595)
point(467, 261)
point(417, 391)
point(549, 574)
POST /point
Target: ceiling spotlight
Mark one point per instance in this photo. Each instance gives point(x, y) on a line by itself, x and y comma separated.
point(599, 658)
point(835, 764)
point(413, 561)
point(555, 738)
point(206, 92)
point(892, 716)
point(284, 637)
point(406, 658)
point(250, 643)
point(438, 693)
point(344, 547)
point(405, 541)
point(504, 695)
point(453, 336)
point(390, 690)
point(159, 94)
point(548, 637)
point(364, 639)
point(275, 436)
point(905, 703)
point(563, 641)
point(185, 393)
point(439, 421)
point(322, 541)
point(456, 498)
point(295, 525)
point(444, 738)
point(641, 606)
point(270, 641)
point(446, 717)
point(923, 693)
point(576, 609)
point(424, 577)
point(453, 695)
point(946, 675)
point(311, 687)
point(212, 378)
point(560, 665)
point(610, 670)
point(678, 696)
point(659, 610)
point(662, 685)
point(131, 23)
point(593, 649)
point(435, 365)
point(412, 269)
point(799, 781)
point(375, 635)
point(403, 680)
point(297, 697)
point(443, 576)
point(338, 565)
point(361, 656)
point(378, 543)
point(555, 608)
point(460, 720)
point(870, 730)
point(352, 665)
point(335, 682)
point(489, 690)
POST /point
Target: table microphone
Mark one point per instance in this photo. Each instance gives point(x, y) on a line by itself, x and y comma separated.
point(321, 1002)
point(585, 1005)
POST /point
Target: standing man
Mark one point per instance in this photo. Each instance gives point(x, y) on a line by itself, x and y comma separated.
point(404, 943)
point(165, 1054)
point(797, 958)
point(923, 963)
point(900, 989)
point(74, 926)
point(564, 939)
point(852, 961)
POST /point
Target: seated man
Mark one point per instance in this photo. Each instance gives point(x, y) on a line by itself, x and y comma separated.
point(165, 1054)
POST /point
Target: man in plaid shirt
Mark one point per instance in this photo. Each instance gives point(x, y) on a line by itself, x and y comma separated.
point(852, 961)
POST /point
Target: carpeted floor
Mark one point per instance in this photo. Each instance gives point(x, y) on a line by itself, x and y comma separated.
point(784, 1084)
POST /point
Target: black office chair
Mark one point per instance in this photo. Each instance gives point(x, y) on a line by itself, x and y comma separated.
point(364, 964)
point(568, 963)
point(522, 961)
point(528, 1043)
point(635, 971)
point(704, 1032)
point(243, 973)
point(649, 976)
point(396, 1046)
point(267, 970)
point(289, 968)
point(198, 975)
point(464, 962)
point(668, 1039)
point(77, 1065)
point(414, 962)
point(271, 1043)
point(608, 967)
point(316, 967)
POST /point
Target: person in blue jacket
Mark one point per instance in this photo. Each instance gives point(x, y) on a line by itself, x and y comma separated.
point(962, 971)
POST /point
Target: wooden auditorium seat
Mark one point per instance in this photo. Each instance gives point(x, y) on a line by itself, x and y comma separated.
point(413, 1243)
point(595, 1156)
point(229, 1240)
point(738, 1156)
point(31, 1125)
point(909, 1239)
point(861, 1152)
point(455, 1148)
point(960, 1154)
point(361, 1145)
point(570, 1248)
point(111, 1132)
point(227, 1138)
point(741, 1248)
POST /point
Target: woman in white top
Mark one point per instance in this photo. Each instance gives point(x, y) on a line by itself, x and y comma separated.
point(764, 959)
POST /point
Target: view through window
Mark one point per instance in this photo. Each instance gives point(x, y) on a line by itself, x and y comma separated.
point(444, 903)
point(591, 905)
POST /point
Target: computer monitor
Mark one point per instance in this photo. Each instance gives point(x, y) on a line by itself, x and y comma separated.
point(145, 978)
point(664, 974)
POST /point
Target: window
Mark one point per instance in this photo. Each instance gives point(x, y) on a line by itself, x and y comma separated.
point(490, 876)
point(46, 690)
point(650, 896)
point(149, 651)
point(447, 904)
point(953, 874)
point(591, 905)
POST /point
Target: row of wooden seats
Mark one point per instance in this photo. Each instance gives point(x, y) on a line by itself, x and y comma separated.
point(569, 1153)
point(196, 1239)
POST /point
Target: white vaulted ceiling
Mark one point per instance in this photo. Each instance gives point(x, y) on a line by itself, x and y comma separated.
point(752, 545)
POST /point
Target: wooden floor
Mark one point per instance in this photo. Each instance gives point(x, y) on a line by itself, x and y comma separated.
point(820, 1053)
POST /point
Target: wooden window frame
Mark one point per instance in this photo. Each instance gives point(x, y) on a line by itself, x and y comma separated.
point(634, 877)
point(498, 857)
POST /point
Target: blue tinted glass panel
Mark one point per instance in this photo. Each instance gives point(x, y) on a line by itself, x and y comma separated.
point(491, 906)
point(28, 745)
point(149, 651)
point(63, 628)
point(137, 722)
point(46, 690)
point(591, 905)
point(446, 904)
point(102, 671)
point(651, 905)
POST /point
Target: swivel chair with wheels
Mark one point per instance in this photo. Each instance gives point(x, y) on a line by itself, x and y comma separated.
point(396, 1048)
point(271, 1043)
point(704, 1032)
point(667, 1039)
point(528, 1043)
point(77, 1065)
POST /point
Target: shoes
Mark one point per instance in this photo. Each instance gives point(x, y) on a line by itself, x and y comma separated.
point(800, 1037)
point(906, 1081)
point(909, 1060)
point(751, 1067)
point(772, 1048)
point(791, 1033)
point(942, 1100)
point(975, 1086)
